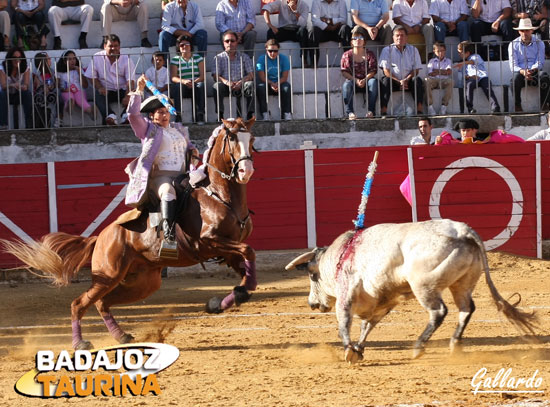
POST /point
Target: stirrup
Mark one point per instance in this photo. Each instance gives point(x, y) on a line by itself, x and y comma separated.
point(168, 250)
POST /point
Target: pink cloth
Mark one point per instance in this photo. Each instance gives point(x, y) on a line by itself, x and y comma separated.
point(79, 98)
point(405, 189)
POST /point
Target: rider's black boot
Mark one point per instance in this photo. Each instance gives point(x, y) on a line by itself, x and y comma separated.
point(169, 247)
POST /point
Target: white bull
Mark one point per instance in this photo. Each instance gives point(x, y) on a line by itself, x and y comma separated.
point(367, 273)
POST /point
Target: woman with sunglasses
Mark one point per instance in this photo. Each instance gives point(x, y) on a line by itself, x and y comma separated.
point(187, 77)
point(273, 69)
point(358, 66)
point(15, 84)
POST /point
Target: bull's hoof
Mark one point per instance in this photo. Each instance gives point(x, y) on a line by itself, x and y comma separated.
point(352, 355)
point(214, 305)
point(126, 338)
point(418, 352)
point(84, 345)
point(241, 295)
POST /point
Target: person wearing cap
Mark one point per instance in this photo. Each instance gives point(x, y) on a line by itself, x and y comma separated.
point(467, 129)
point(164, 156)
point(527, 62)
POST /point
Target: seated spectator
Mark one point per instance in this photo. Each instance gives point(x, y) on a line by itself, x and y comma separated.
point(425, 128)
point(328, 23)
point(158, 73)
point(163, 3)
point(126, 10)
point(237, 16)
point(4, 25)
point(527, 62)
point(293, 16)
point(450, 18)
point(3, 99)
point(439, 77)
point(542, 134)
point(358, 67)
point(16, 85)
point(401, 64)
point(413, 15)
point(475, 75)
point(182, 17)
point(187, 76)
point(27, 13)
point(537, 11)
point(112, 77)
point(233, 72)
point(72, 83)
point(45, 96)
point(372, 16)
point(273, 68)
point(491, 17)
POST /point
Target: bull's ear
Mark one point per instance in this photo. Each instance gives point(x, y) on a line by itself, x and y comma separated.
point(303, 258)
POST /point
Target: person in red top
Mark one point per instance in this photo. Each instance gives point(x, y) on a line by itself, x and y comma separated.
point(359, 67)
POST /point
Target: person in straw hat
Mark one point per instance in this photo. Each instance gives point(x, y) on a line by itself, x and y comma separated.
point(526, 62)
point(166, 152)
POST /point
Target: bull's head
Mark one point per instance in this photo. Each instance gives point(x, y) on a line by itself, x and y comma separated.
point(318, 296)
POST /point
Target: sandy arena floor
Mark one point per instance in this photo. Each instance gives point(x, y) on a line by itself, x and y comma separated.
point(273, 351)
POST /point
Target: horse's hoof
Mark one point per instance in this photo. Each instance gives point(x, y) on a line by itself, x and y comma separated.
point(418, 352)
point(126, 338)
point(84, 345)
point(352, 356)
point(241, 295)
point(214, 305)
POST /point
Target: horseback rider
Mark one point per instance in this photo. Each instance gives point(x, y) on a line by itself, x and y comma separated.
point(164, 156)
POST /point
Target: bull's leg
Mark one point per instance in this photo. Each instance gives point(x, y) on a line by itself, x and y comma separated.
point(437, 310)
point(345, 318)
point(366, 327)
point(466, 308)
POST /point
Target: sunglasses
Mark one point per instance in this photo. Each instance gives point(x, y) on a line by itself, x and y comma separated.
point(229, 41)
point(357, 38)
point(185, 44)
point(273, 50)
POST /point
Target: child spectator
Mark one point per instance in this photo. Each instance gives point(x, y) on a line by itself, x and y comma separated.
point(72, 83)
point(158, 73)
point(475, 74)
point(45, 92)
point(439, 77)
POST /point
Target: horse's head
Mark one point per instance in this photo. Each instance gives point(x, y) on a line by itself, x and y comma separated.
point(237, 145)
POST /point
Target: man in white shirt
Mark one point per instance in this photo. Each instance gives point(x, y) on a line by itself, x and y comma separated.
point(414, 16)
point(126, 10)
point(182, 17)
point(491, 17)
point(542, 134)
point(425, 128)
point(450, 18)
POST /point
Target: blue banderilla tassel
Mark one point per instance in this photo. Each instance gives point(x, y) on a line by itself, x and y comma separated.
point(161, 97)
point(360, 220)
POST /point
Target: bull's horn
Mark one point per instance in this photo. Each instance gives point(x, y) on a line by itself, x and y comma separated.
point(301, 259)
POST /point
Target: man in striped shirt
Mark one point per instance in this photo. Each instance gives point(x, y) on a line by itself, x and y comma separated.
point(237, 16)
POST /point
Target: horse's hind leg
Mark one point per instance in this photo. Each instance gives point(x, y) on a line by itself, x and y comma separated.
point(135, 287)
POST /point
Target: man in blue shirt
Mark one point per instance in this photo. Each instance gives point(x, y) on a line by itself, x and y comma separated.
point(273, 69)
point(182, 17)
point(526, 61)
point(372, 16)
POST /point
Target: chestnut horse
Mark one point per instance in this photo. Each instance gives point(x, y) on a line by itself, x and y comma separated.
point(125, 264)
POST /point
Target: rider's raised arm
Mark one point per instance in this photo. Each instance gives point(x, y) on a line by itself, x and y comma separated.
point(137, 121)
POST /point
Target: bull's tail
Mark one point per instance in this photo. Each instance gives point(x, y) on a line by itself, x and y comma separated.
point(58, 255)
point(525, 322)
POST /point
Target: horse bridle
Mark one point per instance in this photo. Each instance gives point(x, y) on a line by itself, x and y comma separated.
point(234, 162)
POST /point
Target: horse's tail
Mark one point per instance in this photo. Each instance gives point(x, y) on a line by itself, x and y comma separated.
point(58, 255)
point(524, 322)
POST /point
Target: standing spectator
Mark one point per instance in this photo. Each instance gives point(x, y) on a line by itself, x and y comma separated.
point(491, 17)
point(187, 75)
point(401, 65)
point(537, 11)
point(527, 62)
point(475, 75)
point(63, 10)
point(112, 77)
point(425, 128)
point(450, 18)
point(233, 72)
point(126, 10)
point(16, 88)
point(182, 17)
point(358, 67)
point(329, 23)
point(158, 73)
point(237, 16)
point(29, 12)
point(45, 95)
point(372, 16)
point(542, 134)
point(414, 16)
point(4, 25)
point(293, 16)
point(273, 68)
point(72, 83)
point(439, 77)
